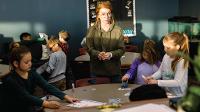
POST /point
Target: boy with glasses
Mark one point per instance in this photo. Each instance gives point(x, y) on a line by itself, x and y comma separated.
point(54, 69)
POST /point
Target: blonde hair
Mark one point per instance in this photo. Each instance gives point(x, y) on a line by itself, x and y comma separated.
point(103, 4)
point(52, 41)
point(180, 39)
point(64, 34)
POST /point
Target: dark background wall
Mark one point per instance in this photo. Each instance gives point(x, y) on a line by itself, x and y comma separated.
point(189, 8)
point(51, 16)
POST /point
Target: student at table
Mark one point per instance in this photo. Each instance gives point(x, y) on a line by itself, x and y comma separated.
point(145, 65)
point(173, 72)
point(18, 86)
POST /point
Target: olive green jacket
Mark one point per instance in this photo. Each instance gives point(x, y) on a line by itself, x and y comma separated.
point(97, 40)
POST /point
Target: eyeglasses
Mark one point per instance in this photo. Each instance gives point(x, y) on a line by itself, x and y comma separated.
point(52, 47)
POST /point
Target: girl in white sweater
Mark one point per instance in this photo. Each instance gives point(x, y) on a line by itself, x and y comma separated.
point(173, 72)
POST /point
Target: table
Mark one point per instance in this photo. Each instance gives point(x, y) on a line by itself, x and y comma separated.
point(126, 59)
point(102, 93)
point(129, 57)
point(3, 69)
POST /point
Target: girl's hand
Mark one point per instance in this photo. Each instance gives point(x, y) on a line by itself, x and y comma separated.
point(125, 78)
point(152, 81)
point(70, 99)
point(147, 78)
point(51, 104)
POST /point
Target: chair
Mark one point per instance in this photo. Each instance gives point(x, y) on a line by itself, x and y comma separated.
point(4, 48)
point(131, 48)
point(82, 51)
point(80, 69)
point(86, 81)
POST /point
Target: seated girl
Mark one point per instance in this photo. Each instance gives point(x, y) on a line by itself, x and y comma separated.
point(19, 84)
point(146, 65)
point(173, 72)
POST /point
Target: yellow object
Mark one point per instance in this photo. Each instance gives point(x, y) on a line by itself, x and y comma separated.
point(107, 110)
point(109, 106)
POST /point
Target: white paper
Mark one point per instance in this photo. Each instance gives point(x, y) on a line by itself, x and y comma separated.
point(86, 103)
point(124, 89)
point(127, 94)
point(43, 35)
point(148, 108)
point(143, 77)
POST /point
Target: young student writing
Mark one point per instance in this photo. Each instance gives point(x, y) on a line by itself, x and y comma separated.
point(64, 37)
point(54, 70)
point(19, 84)
point(173, 72)
point(35, 47)
point(145, 65)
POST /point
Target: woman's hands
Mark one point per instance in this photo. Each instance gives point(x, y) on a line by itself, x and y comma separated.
point(104, 55)
point(51, 104)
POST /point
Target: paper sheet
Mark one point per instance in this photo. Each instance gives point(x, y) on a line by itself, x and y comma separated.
point(86, 103)
point(124, 89)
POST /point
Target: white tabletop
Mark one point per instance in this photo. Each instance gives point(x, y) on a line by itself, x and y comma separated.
point(129, 57)
point(126, 59)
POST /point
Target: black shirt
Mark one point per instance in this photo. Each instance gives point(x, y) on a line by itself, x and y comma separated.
point(16, 92)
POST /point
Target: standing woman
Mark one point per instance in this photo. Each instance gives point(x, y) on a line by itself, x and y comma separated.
point(105, 44)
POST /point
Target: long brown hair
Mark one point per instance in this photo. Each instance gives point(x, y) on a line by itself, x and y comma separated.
point(180, 39)
point(100, 5)
point(150, 49)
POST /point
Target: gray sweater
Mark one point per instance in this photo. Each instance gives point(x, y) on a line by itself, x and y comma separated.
point(56, 66)
point(175, 83)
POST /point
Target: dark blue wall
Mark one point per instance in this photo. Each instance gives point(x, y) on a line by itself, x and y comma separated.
point(51, 16)
point(154, 14)
point(189, 8)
